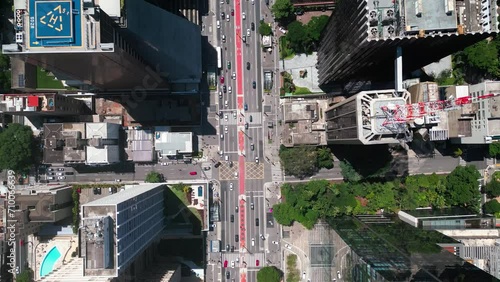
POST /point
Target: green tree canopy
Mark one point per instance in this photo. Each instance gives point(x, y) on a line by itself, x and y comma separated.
point(282, 10)
point(5, 73)
point(299, 161)
point(17, 148)
point(265, 29)
point(483, 56)
point(269, 274)
point(315, 26)
point(154, 177)
point(325, 158)
point(462, 187)
point(493, 188)
point(348, 172)
point(297, 37)
point(494, 149)
point(492, 207)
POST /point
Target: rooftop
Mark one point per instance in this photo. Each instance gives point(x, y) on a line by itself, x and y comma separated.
point(129, 192)
point(300, 110)
point(173, 143)
point(430, 15)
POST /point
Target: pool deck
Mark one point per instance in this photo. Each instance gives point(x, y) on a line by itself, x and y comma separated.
point(65, 244)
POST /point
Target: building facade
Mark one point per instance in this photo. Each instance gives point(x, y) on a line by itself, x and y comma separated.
point(76, 40)
point(360, 119)
point(361, 39)
point(119, 228)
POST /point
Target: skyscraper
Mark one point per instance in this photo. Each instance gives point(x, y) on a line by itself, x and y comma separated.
point(77, 40)
point(360, 41)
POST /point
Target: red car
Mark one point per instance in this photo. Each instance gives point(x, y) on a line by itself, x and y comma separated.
point(232, 12)
point(193, 173)
point(257, 262)
point(221, 79)
point(225, 263)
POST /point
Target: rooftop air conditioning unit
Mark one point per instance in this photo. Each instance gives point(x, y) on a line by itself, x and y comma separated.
point(374, 32)
point(389, 13)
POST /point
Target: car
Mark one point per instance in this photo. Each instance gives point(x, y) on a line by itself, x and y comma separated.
point(114, 190)
point(223, 15)
point(217, 164)
point(257, 159)
point(251, 119)
point(234, 114)
point(225, 128)
point(118, 180)
point(221, 79)
point(228, 64)
point(304, 275)
point(253, 241)
point(227, 17)
point(262, 237)
point(233, 76)
point(236, 209)
point(225, 117)
point(275, 243)
point(220, 94)
point(235, 174)
point(254, 84)
point(222, 136)
point(225, 263)
point(60, 169)
point(299, 12)
point(232, 12)
point(244, 38)
point(51, 173)
point(248, 65)
point(227, 247)
point(284, 31)
point(232, 218)
point(228, 275)
point(253, 2)
point(227, 1)
point(251, 206)
point(95, 191)
point(220, 114)
point(223, 38)
point(110, 190)
point(230, 89)
point(206, 168)
point(243, 15)
point(232, 264)
point(226, 103)
point(232, 249)
point(252, 147)
point(339, 276)
point(230, 186)
point(224, 89)
point(257, 262)
point(252, 26)
point(248, 32)
point(50, 169)
point(288, 246)
point(246, 125)
point(218, 24)
point(246, 107)
point(226, 158)
point(60, 173)
point(51, 178)
point(256, 222)
point(69, 173)
point(193, 173)
point(236, 238)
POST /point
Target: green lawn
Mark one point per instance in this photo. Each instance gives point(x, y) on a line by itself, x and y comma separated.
point(46, 81)
point(301, 90)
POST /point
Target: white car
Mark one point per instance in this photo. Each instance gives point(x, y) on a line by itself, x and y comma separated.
point(253, 2)
point(222, 136)
point(61, 177)
point(230, 186)
point(220, 94)
point(225, 128)
point(223, 38)
point(274, 242)
point(227, 17)
point(225, 102)
point(244, 16)
point(225, 117)
point(257, 159)
point(248, 32)
point(288, 246)
point(253, 241)
point(234, 114)
point(230, 90)
point(232, 264)
point(234, 75)
point(218, 24)
point(282, 30)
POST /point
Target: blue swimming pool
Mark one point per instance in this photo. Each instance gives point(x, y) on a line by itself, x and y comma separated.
point(48, 262)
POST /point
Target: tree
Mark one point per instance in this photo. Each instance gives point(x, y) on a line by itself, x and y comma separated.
point(297, 37)
point(315, 26)
point(284, 214)
point(269, 274)
point(282, 10)
point(265, 29)
point(492, 207)
point(16, 148)
point(462, 187)
point(483, 56)
point(325, 158)
point(493, 188)
point(5, 72)
point(458, 153)
point(494, 149)
point(299, 161)
point(348, 172)
point(154, 177)
point(25, 276)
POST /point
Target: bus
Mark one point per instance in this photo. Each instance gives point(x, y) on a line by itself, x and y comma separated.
point(219, 57)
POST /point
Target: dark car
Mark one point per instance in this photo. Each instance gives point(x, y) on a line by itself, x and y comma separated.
point(232, 249)
point(251, 118)
point(69, 173)
point(50, 173)
point(223, 15)
point(232, 218)
point(246, 125)
point(114, 190)
point(227, 247)
point(299, 12)
point(246, 107)
point(256, 222)
point(232, 12)
point(252, 147)
point(228, 275)
point(217, 164)
point(99, 191)
point(224, 88)
point(236, 238)
point(252, 26)
point(248, 65)
point(95, 191)
point(254, 85)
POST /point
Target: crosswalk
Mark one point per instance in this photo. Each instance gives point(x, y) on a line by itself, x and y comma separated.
point(231, 120)
point(245, 260)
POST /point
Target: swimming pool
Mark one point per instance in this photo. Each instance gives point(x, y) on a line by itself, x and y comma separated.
point(48, 262)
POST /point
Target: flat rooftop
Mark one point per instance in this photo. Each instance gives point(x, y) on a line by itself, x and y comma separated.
point(129, 192)
point(430, 15)
point(299, 110)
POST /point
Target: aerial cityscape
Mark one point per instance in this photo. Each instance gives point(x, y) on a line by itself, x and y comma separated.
point(244, 140)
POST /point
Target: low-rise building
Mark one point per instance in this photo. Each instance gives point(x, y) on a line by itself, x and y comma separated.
point(173, 145)
point(140, 146)
point(303, 123)
point(48, 104)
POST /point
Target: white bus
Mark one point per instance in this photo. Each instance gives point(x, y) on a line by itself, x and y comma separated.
point(219, 57)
